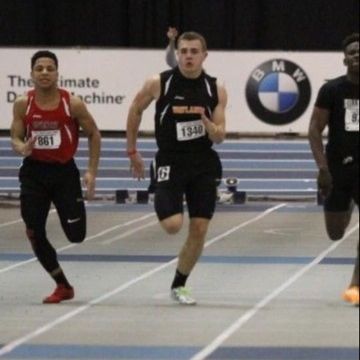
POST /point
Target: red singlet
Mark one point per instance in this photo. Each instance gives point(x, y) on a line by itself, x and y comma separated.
point(57, 133)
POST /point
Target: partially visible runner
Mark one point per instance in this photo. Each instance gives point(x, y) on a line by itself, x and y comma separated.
point(45, 131)
point(337, 107)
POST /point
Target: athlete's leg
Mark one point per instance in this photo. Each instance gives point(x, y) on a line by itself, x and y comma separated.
point(338, 210)
point(352, 293)
point(355, 279)
point(173, 224)
point(35, 210)
point(69, 202)
point(169, 208)
point(35, 201)
point(339, 207)
point(201, 199)
point(193, 246)
point(337, 223)
point(35, 205)
point(188, 257)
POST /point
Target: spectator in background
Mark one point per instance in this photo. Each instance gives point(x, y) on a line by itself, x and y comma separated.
point(171, 59)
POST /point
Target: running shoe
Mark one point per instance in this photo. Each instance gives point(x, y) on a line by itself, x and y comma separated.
point(351, 295)
point(182, 295)
point(60, 294)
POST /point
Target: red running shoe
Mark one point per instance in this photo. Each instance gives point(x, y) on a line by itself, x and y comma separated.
point(60, 294)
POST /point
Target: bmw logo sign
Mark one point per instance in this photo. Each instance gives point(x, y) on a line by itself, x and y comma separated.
point(278, 92)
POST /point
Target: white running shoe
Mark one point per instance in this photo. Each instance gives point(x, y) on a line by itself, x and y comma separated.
point(182, 295)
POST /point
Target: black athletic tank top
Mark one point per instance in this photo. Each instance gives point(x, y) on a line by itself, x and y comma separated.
point(341, 98)
point(178, 125)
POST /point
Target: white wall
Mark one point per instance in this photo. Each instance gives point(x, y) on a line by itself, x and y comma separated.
point(120, 73)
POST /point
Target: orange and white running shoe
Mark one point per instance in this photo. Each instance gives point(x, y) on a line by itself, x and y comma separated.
point(351, 295)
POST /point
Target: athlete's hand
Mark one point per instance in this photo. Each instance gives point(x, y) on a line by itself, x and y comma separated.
point(89, 182)
point(325, 182)
point(172, 33)
point(211, 128)
point(28, 147)
point(137, 166)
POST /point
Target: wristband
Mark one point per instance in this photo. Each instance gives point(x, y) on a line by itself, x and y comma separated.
point(132, 153)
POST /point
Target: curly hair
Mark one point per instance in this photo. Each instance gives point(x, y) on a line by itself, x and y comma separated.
point(354, 37)
point(44, 54)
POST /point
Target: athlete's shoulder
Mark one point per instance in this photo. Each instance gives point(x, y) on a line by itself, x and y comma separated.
point(20, 106)
point(222, 92)
point(152, 84)
point(333, 83)
point(210, 77)
point(76, 105)
point(21, 102)
point(66, 94)
point(167, 74)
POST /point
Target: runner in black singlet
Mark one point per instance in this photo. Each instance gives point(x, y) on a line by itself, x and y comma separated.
point(190, 117)
point(337, 107)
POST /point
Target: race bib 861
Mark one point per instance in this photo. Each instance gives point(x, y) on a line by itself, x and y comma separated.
point(47, 140)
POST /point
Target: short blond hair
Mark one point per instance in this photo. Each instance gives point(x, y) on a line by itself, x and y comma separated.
point(192, 35)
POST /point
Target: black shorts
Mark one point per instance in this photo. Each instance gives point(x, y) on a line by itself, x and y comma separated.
point(345, 188)
point(43, 184)
point(193, 177)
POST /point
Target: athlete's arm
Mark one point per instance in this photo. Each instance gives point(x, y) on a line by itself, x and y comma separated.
point(216, 127)
point(18, 131)
point(88, 125)
point(171, 59)
point(319, 121)
point(149, 93)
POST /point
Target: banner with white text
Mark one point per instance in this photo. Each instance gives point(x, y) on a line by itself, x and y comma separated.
point(269, 92)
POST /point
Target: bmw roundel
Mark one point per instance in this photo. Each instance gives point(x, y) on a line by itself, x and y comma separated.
point(278, 92)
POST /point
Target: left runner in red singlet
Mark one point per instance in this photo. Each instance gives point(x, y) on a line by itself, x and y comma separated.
point(45, 131)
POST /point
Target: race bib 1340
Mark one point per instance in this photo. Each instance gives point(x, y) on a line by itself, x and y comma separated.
point(190, 130)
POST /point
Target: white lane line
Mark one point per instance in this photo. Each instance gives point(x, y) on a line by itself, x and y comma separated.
point(102, 233)
point(19, 221)
point(154, 149)
point(125, 159)
point(264, 140)
point(11, 223)
point(130, 232)
point(44, 329)
point(236, 326)
point(126, 168)
point(246, 223)
point(208, 243)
